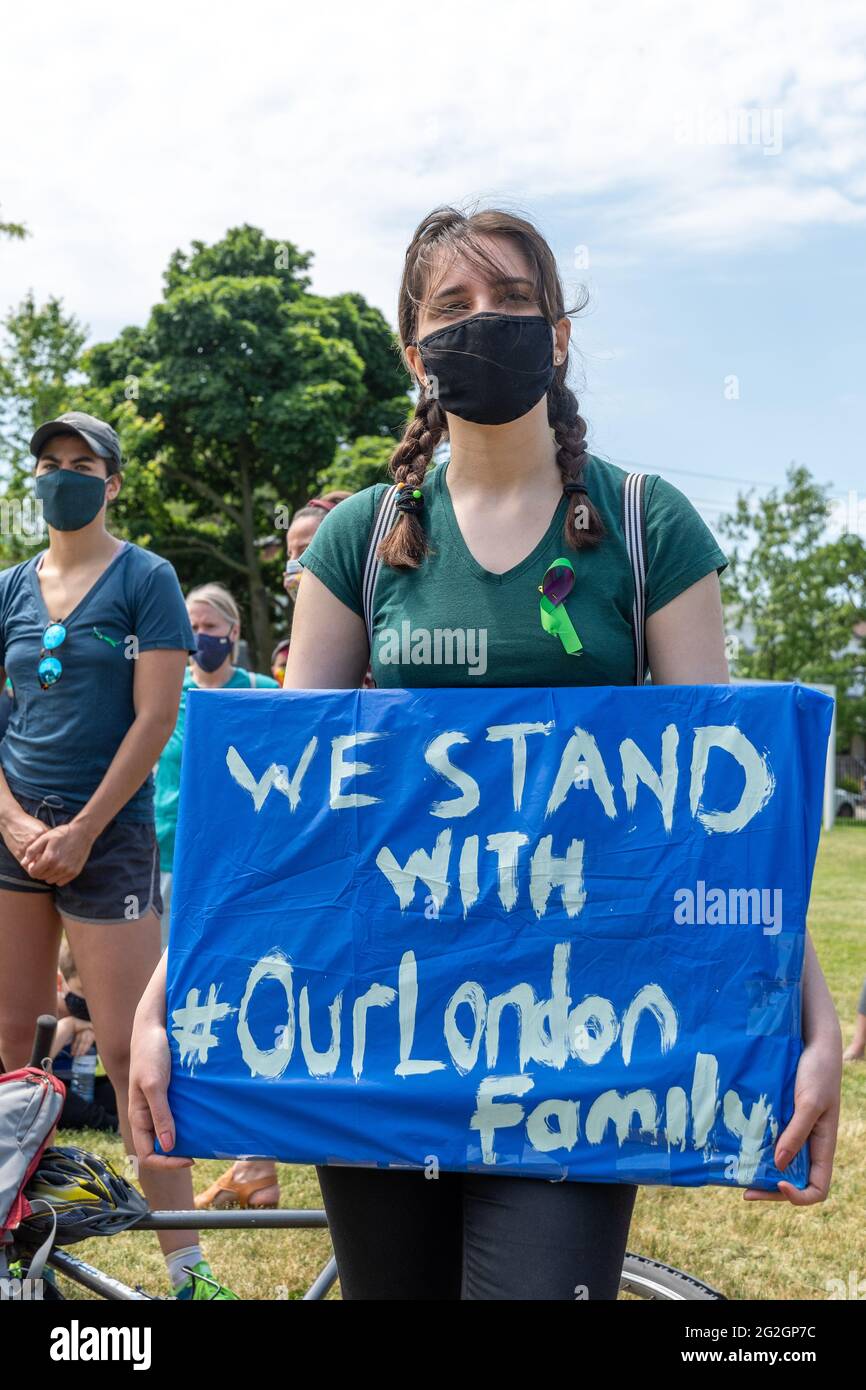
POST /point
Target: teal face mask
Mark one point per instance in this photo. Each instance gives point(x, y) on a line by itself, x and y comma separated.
point(70, 500)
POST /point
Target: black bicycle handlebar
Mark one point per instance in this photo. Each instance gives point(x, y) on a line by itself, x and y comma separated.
point(46, 1027)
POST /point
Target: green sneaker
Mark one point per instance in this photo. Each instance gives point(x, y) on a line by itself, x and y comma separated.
point(18, 1270)
point(201, 1285)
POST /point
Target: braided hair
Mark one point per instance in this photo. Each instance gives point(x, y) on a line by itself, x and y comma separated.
point(406, 546)
point(583, 524)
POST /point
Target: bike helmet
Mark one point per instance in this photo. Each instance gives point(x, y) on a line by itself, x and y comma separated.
point(86, 1195)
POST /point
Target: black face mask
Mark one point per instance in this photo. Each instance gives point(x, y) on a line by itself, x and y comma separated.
point(70, 500)
point(77, 1006)
point(490, 368)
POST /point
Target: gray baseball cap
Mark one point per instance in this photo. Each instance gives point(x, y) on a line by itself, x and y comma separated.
point(101, 438)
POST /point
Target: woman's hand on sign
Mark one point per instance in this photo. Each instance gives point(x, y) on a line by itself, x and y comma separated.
point(149, 1073)
point(149, 1115)
point(816, 1118)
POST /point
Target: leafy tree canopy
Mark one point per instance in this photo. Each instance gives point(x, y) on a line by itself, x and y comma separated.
point(799, 597)
point(240, 392)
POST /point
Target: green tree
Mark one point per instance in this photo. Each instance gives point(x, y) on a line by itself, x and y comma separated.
point(358, 465)
point(40, 372)
point(235, 397)
point(798, 595)
point(845, 561)
point(15, 231)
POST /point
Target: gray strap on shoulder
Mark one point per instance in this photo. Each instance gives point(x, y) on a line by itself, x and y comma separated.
point(634, 527)
point(386, 515)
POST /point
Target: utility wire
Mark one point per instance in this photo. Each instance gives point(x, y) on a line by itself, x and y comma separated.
point(693, 473)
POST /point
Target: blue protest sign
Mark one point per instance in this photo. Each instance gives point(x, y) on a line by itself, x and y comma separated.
point(557, 932)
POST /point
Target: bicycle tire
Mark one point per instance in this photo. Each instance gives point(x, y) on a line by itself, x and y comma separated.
point(650, 1279)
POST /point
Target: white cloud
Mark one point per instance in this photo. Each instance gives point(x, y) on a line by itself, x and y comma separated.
point(136, 130)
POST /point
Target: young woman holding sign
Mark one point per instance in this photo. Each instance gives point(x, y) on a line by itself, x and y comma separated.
point(520, 507)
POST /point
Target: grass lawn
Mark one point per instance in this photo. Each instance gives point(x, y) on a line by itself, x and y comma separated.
point(748, 1251)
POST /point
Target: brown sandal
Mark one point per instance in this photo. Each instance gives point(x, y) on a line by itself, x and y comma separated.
point(229, 1192)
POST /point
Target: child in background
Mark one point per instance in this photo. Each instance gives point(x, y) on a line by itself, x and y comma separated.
point(856, 1049)
point(278, 660)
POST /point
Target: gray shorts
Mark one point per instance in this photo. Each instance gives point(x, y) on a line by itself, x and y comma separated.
point(165, 880)
point(118, 884)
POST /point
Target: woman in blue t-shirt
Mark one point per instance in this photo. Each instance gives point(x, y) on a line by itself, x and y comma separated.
point(94, 636)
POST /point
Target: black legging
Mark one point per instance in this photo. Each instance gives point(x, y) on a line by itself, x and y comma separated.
point(400, 1235)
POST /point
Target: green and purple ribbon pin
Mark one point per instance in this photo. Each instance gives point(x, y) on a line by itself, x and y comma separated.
point(554, 588)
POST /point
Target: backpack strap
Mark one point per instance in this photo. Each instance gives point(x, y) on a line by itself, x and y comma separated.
point(384, 519)
point(634, 527)
point(253, 680)
point(38, 1260)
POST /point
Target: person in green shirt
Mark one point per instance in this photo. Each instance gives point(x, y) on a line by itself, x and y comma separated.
point(485, 332)
point(216, 622)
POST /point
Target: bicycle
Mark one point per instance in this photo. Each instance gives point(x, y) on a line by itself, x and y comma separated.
point(641, 1277)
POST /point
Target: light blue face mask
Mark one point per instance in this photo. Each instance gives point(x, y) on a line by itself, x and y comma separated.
point(70, 500)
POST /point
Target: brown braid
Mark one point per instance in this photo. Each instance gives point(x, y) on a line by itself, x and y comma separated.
point(405, 546)
point(583, 524)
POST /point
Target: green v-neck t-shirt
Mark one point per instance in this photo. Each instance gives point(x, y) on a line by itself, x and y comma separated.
point(453, 623)
point(62, 741)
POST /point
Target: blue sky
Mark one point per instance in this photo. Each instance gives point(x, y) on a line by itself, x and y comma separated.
point(663, 338)
point(711, 162)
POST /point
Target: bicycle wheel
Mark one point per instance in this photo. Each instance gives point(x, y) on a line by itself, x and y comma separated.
point(646, 1278)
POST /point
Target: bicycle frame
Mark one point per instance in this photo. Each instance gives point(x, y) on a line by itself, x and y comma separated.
point(108, 1287)
point(642, 1277)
